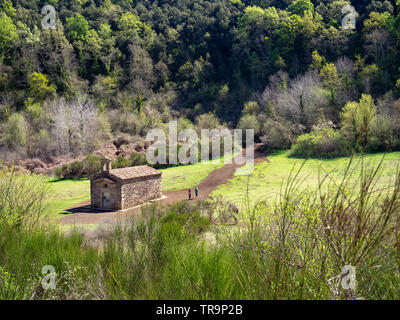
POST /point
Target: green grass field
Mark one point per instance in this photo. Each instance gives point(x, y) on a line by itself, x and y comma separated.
point(264, 184)
point(266, 181)
point(66, 193)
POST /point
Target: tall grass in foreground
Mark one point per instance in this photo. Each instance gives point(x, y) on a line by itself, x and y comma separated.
point(298, 249)
point(22, 201)
point(29, 241)
point(293, 249)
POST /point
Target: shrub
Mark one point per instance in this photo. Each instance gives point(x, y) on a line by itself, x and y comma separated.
point(62, 172)
point(120, 141)
point(324, 143)
point(15, 131)
point(91, 165)
point(383, 136)
point(207, 121)
point(137, 159)
point(121, 162)
point(279, 135)
point(129, 122)
point(251, 107)
point(76, 169)
point(80, 169)
point(249, 122)
point(185, 218)
point(39, 86)
point(357, 119)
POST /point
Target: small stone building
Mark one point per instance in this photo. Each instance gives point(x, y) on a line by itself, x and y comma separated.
point(121, 189)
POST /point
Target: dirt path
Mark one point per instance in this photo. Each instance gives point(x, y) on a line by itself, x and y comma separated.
point(83, 214)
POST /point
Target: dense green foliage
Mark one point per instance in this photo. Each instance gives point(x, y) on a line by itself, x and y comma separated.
point(145, 62)
point(79, 169)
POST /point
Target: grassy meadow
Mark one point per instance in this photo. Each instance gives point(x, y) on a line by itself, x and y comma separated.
point(268, 177)
point(66, 193)
point(264, 184)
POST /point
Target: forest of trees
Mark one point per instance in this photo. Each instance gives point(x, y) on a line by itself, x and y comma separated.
point(285, 68)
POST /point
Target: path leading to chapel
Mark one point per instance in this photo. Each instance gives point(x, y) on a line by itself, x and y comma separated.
point(81, 213)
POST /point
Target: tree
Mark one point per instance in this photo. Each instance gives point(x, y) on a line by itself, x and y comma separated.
point(254, 43)
point(43, 143)
point(6, 6)
point(58, 60)
point(76, 125)
point(370, 75)
point(357, 120)
point(105, 89)
point(318, 61)
point(256, 17)
point(347, 90)
point(141, 69)
point(207, 121)
point(299, 7)
point(15, 131)
point(332, 42)
point(302, 100)
point(251, 108)
point(249, 121)
point(39, 86)
point(84, 126)
point(332, 12)
point(77, 28)
point(376, 21)
point(330, 79)
point(129, 24)
point(8, 33)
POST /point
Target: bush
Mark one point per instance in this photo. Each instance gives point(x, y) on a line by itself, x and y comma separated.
point(207, 121)
point(383, 135)
point(279, 135)
point(311, 234)
point(91, 165)
point(15, 131)
point(249, 122)
point(62, 172)
point(121, 162)
point(324, 143)
point(185, 218)
point(77, 169)
point(128, 122)
point(137, 159)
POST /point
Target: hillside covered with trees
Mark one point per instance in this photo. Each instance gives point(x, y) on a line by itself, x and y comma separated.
point(285, 68)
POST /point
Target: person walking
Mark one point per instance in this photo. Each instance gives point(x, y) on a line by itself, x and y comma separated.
point(196, 191)
point(190, 194)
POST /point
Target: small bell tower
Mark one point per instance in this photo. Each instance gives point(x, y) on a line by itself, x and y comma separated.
point(105, 166)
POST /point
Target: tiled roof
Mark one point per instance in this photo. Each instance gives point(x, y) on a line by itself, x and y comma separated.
point(134, 172)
